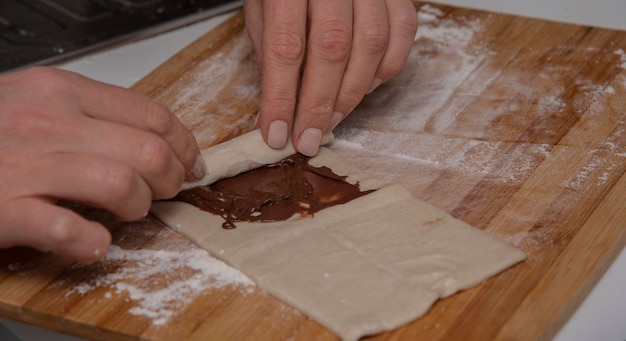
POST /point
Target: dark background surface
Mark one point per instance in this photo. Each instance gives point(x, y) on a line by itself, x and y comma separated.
point(43, 32)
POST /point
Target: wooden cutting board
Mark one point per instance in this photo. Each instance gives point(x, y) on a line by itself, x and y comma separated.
point(514, 125)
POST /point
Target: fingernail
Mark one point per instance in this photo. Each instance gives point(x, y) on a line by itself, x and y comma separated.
point(376, 82)
point(310, 141)
point(199, 168)
point(334, 120)
point(277, 135)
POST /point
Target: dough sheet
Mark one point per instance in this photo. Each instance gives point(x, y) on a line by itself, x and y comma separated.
point(370, 265)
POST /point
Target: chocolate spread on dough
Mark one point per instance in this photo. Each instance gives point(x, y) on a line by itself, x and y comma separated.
point(273, 193)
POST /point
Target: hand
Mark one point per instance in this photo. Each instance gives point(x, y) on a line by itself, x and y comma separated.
point(63, 136)
point(351, 47)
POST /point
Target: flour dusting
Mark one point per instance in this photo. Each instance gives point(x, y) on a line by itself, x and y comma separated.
point(202, 98)
point(161, 283)
point(622, 55)
point(530, 242)
point(609, 90)
point(466, 115)
point(598, 167)
point(427, 15)
point(425, 108)
point(443, 75)
point(206, 84)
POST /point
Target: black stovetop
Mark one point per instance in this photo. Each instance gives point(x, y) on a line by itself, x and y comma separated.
point(43, 32)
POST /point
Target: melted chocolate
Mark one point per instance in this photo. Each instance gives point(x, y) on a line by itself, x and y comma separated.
point(273, 193)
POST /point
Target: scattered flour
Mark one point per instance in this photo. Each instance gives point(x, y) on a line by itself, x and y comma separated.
point(451, 120)
point(428, 14)
point(160, 282)
point(211, 85)
point(598, 167)
point(433, 77)
point(445, 31)
point(444, 74)
point(622, 54)
point(609, 90)
point(550, 104)
point(206, 84)
point(530, 242)
point(427, 124)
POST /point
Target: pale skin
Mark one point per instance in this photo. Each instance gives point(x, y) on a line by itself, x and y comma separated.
point(64, 136)
point(67, 137)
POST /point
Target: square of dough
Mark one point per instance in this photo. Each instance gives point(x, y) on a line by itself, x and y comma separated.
point(363, 267)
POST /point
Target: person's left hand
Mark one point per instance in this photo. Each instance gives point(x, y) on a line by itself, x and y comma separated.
point(319, 58)
point(65, 137)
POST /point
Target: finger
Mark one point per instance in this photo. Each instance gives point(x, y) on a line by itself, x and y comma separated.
point(370, 39)
point(149, 155)
point(330, 38)
point(284, 34)
point(48, 227)
point(253, 11)
point(155, 118)
point(115, 104)
point(93, 180)
point(402, 28)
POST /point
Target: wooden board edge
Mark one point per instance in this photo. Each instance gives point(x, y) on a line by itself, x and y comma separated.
point(206, 45)
point(612, 237)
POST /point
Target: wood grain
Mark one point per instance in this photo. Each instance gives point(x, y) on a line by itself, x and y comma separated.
point(514, 125)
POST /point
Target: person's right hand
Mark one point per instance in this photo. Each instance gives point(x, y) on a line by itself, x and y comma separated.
point(67, 137)
point(319, 58)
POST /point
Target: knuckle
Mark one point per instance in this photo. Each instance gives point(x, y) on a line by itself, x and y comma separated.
point(157, 163)
point(171, 188)
point(286, 45)
point(375, 38)
point(42, 79)
point(117, 185)
point(39, 73)
point(30, 121)
point(279, 104)
point(320, 107)
point(159, 120)
point(334, 43)
point(406, 22)
point(350, 98)
point(140, 208)
point(30, 116)
point(392, 68)
point(154, 156)
point(191, 152)
point(62, 231)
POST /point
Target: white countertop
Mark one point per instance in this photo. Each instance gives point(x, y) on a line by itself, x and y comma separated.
point(600, 317)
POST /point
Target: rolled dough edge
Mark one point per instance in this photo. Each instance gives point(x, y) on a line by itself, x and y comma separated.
point(241, 154)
